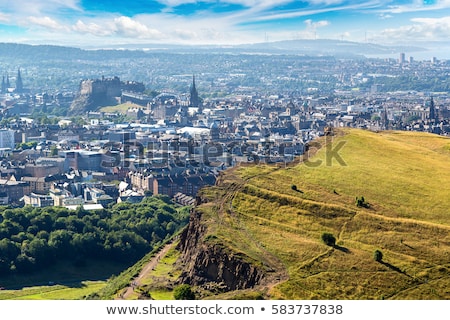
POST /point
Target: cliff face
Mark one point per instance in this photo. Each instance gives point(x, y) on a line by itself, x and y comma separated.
point(206, 262)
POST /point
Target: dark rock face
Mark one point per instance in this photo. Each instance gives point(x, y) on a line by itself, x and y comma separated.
point(205, 261)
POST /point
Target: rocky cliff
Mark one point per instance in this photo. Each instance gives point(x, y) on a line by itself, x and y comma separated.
point(205, 261)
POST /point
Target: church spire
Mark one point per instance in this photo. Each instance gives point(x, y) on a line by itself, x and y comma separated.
point(193, 99)
point(385, 119)
point(19, 83)
point(432, 115)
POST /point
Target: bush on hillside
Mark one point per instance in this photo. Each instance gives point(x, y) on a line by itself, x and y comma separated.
point(378, 256)
point(361, 202)
point(328, 239)
point(183, 292)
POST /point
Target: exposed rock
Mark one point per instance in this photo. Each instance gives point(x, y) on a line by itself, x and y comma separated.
point(206, 261)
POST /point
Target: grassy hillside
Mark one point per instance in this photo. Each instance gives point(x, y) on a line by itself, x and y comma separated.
point(277, 216)
point(120, 108)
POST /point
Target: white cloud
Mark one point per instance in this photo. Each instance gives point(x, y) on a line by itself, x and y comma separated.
point(314, 25)
point(421, 29)
point(418, 6)
point(46, 22)
point(37, 8)
point(311, 29)
point(91, 28)
point(175, 3)
point(131, 28)
point(121, 27)
point(384, 16)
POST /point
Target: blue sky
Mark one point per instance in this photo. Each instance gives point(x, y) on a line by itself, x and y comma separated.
point(103, 23)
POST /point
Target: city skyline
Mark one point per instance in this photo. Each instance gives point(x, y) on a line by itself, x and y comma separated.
point(91, 23)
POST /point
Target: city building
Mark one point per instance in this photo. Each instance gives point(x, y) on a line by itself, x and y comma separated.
point(7, 139)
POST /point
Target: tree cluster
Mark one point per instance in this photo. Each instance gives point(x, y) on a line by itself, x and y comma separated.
point(33, 238)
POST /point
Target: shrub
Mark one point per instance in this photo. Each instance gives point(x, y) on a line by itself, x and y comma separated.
point(183, 292)
point(328, 239)
point(378, 255)
point(361, 202)
point(294, 187)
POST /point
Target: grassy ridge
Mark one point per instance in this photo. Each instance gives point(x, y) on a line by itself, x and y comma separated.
point(402, 175)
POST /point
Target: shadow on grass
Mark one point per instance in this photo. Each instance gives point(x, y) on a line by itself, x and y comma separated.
point(64, 274)
point(343, 249)
point(70, 284)
point(394, 268)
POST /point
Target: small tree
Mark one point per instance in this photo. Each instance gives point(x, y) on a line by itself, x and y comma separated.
point(328, 239)
point(378, 256)
point(361, 202)
point(183, 292)
point(294, 187)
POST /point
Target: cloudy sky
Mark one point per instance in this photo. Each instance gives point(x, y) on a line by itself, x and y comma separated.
point(102, 23)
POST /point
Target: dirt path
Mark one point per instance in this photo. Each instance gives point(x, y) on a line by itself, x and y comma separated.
point(128, 291)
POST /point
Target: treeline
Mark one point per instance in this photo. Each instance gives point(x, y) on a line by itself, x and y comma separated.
point(407, 83)
point(33, 238)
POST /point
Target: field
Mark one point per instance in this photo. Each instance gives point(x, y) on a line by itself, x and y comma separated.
point(276, 216)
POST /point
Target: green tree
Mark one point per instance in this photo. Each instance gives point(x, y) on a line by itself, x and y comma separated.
point(328, 239)
point(183, 292)
point(378, 256)
point(53, 150)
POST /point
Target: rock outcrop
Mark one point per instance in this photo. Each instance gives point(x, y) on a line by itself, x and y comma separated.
point(204, 261)
point(96, 93)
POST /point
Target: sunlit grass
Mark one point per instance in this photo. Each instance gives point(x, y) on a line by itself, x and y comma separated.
point(120, 108)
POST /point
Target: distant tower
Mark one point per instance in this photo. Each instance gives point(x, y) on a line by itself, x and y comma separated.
point(432, 115)
point(193, 99)
point(19, 83)
point(385, 120)
point(214, 131)
point(401, 59)
point(8, 84)
point(3, 85)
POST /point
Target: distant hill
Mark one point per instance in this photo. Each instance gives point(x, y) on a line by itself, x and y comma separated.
point(330, 47)
point(258, 232)
point(51, 52)
point(130, 51)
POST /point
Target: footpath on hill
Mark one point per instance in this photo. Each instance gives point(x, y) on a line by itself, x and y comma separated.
point(128, 291)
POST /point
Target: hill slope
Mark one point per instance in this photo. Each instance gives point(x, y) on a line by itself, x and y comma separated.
point(255, 233)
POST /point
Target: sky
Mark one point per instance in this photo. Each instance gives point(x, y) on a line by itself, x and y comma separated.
point(87, 23)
